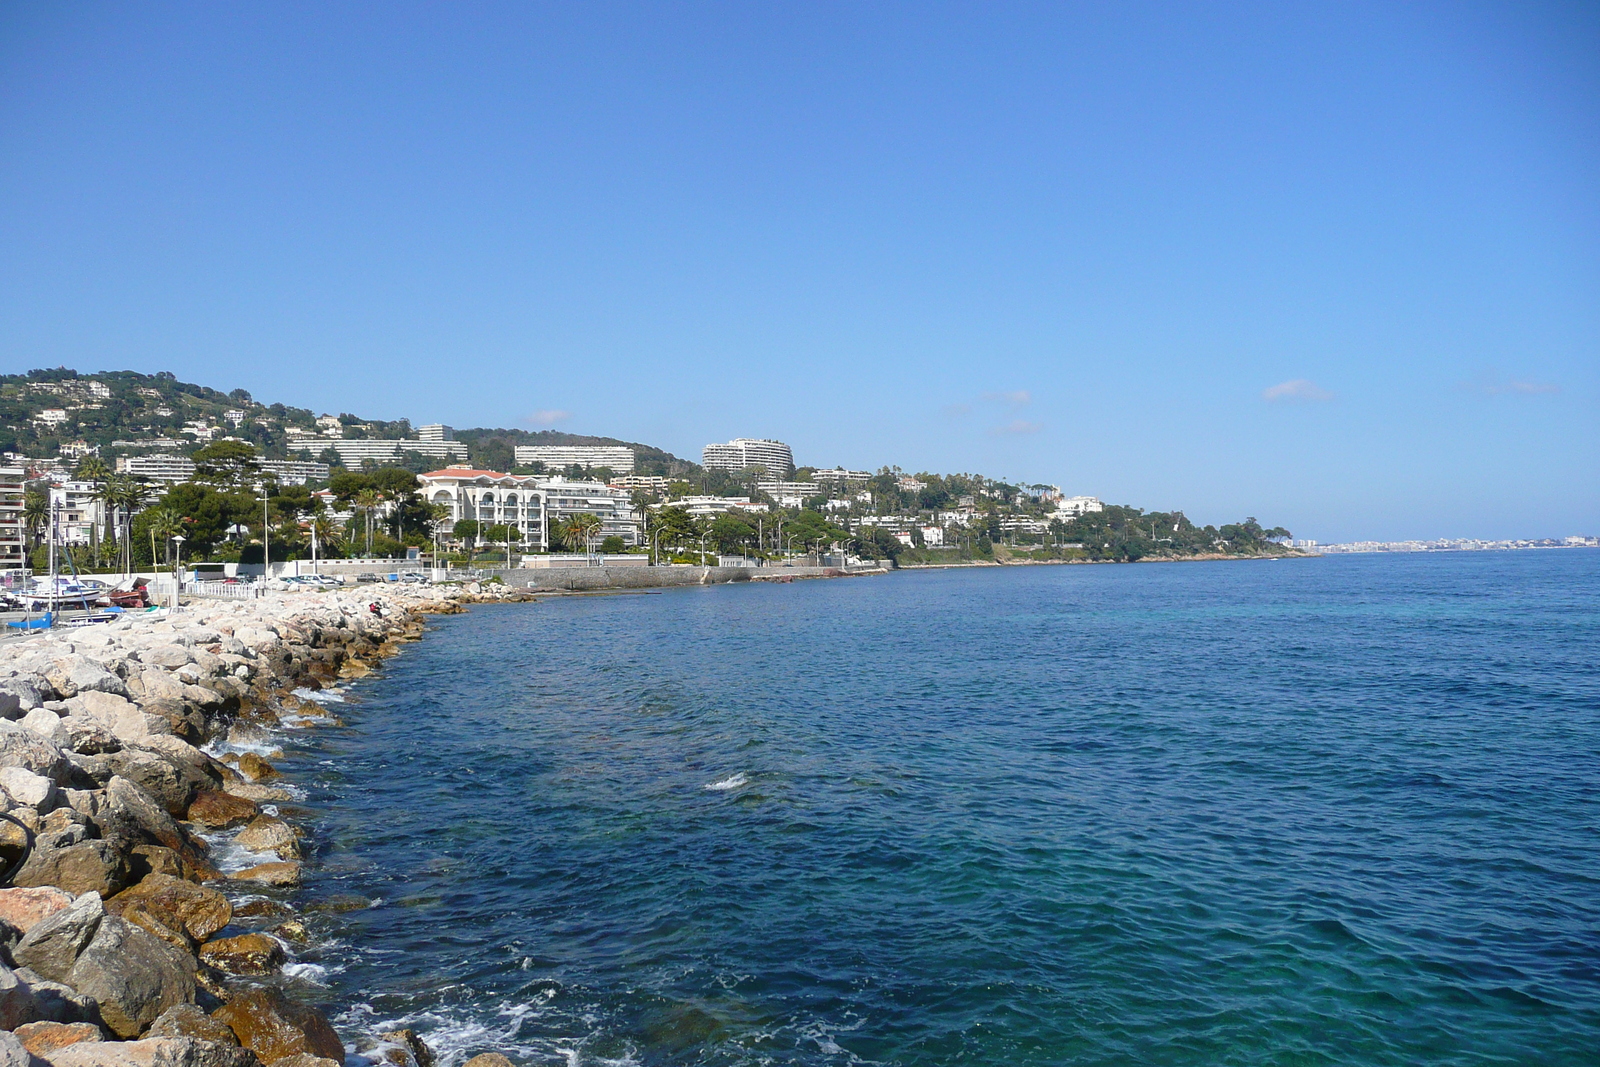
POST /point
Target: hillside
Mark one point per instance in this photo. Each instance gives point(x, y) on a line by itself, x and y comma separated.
point(45, 413)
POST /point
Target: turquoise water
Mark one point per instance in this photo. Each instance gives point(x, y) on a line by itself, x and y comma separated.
point(1341, 811)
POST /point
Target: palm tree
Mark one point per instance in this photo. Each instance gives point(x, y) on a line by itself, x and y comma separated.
point(165, 524)
point(325, 533)
point(580, 529)
point(367, 501)
point(35, 513)
point(126, 494)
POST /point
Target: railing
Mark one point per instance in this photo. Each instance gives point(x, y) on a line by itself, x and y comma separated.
point(224, 590)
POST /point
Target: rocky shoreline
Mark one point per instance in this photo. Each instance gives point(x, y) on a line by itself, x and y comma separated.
point(126, 770)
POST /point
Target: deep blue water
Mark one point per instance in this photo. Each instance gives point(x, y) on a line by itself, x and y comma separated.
point(1341, 811)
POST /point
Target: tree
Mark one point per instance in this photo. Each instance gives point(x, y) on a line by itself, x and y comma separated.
point(367, 501)
point(35, 513)
point(164, 523)
point(580, 529)
point(325, 535)
point(613, 545)
point(226, 463)
point(731, 534)
point(467, 531)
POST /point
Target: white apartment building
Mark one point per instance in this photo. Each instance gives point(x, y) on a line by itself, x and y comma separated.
point(839, 477)
point(13, 536)
point(1073, 506)
point(744, 452)
point(529, 502)
point(789, 494)
point(77, 511)
point(648, 482)
point(157, 468)
point(295, 472)
point(617, 458)
point(705, 507)
point(51, 417)
point(354, 452)
point(436, 431)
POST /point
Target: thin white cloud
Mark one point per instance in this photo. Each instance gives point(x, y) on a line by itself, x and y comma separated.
point(1014, 428)
point(1295, 389)
point(1017, 398)
point(547, 417)
point(1521, 389)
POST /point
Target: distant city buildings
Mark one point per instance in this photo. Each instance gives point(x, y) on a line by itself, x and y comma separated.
point(1069, 508)
point(705, 507)
point(838, 477)
point(13, 535)
point(530, 502)
point(743, 453)
point(616, 458)
point(789, 494)
point(157, 468)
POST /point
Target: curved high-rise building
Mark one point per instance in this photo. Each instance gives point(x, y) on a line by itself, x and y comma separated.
point(745, 452)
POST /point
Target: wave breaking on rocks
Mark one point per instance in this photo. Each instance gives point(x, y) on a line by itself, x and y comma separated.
point(148, 838)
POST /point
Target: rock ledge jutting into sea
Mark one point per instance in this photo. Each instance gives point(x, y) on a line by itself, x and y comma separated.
point(125, 940)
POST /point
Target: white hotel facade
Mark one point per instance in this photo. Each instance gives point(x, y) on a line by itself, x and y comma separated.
point(530, 502)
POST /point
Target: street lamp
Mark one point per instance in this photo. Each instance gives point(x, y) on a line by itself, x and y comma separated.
point(177, 570)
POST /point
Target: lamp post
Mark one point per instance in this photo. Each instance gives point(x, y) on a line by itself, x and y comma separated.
point(266, 547)
point(177, 570)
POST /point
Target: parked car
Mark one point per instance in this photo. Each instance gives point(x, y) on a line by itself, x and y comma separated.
point(414, 576)
point(364, 578)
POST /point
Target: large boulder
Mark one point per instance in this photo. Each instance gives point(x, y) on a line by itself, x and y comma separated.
point(27, 693)
point(187, 1020)
point(246, 954)
point(44, 1037)
point(132, 974)
point(285, 873)
point(12, 1051)
point(75, 674)
point(86, 734)
point(195, 909)
point(25, 908)
point(48, 725)
point(169, 656)
point(217, 810)
point(17, 1004)
point(266, 833)
point(20, 747)
point(26, 789)
point(405, 1049)
point(152, 1052)
point(176, 717)
point(130, 808)
point(273, 1027)
point(81, 866)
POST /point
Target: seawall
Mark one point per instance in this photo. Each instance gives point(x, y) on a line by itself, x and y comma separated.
point(588, 579)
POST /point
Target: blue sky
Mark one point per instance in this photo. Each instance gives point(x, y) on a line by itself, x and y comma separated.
point(1336, 266)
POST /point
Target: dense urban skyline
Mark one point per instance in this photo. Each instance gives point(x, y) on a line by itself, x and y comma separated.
point(1336, 264)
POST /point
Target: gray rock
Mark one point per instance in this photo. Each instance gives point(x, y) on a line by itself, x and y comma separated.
point(56, 1001)
point(27, 789)
point(74, 674)
point(12, 1054)
point(134, 975)
point(86, 735)
point(187, 1020)
point(128, 806)
point(156, 775)
point(169, 656)
point(78, 866)
point(27, 690)
point(23, 748)
point(10, 705)
point(152, 1052)
point(48, 725)
point(17, 1005)
point(53, 946)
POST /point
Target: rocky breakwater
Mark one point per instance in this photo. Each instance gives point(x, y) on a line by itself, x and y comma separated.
point(123, 943)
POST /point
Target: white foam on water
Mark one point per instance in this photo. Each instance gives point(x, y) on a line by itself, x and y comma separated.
point(311, 973)
point(321, 696)
point(731, 782)
point(454, 1039)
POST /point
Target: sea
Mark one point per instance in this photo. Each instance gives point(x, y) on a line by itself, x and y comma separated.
point(1306, 811)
